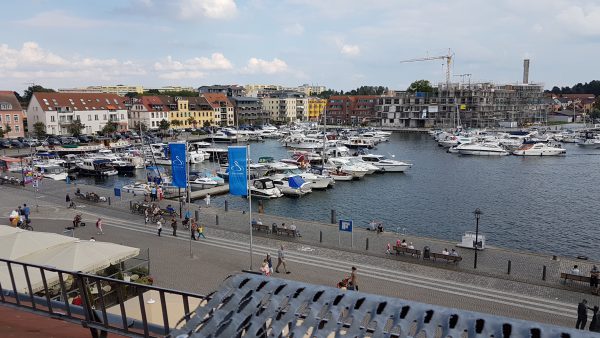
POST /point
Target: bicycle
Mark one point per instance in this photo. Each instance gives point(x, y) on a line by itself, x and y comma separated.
point(25, 225)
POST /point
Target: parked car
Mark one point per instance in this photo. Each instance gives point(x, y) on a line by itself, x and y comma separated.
point(84, 139)
point(4, 143)
point(16, 144)
point(53, 141)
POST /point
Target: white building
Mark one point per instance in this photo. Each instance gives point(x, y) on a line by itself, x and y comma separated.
point(94, 110)
point(147, 110)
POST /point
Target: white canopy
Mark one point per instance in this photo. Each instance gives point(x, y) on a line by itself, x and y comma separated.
point(18, 244)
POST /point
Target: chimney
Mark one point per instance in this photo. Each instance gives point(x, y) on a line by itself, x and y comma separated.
point(526, 71)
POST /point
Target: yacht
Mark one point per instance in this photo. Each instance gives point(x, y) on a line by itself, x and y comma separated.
point(264, 188)
point(52, 171)
point(136, 188)
point(299, 141)
point(123, 167)
point(539, 149)
point(203, 183)
point(358, 142)
point(384, 164)
point(96, 167)
point(590, 143)
point(280, 170)
point(483, 149)
point(343, 165)
point(293, 186)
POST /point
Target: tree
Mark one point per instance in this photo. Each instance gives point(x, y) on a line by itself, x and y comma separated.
point(164, 125)
point(420, 86)
point(39, 129)
point(152, 92)
point(176, 123)
point(206, 124)
point(1, 133)
point(109, 128)
point(139, 125)
point(74, 128)
point(7, 128)
point(192, 121)
point(131, 95)
point(28, 93)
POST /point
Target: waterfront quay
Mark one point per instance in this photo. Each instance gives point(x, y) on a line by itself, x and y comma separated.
point(201, 266)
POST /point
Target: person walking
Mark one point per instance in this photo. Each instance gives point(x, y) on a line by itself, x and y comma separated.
point(68, 200)
point(270, 262)
point(353, 280)
point(159, 227)
point(194, 229)
point(99, 226)
point(201, 231)
point(26, 212)
point(581, 315)
point(207, 199)
point(281, 260)
point(595, 323)
point(174, 226)
point(153, 194)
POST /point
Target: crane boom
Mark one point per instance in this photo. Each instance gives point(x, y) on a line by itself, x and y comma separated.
point(448, 57)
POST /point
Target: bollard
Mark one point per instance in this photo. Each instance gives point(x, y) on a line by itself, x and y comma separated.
point(226, 206)
point(197, 215)
point(320, 236)
point(130, 205)
point(367, 245)
point(108, 200)
point(333, 216)
point(216, 219)
point(544, 273)
point(508, 272)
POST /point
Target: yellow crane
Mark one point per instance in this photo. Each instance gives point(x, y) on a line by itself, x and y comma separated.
point(448, 57)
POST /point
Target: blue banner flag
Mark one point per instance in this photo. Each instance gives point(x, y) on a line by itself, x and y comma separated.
point(178, 164)
point(345, 225)
point(238, 175)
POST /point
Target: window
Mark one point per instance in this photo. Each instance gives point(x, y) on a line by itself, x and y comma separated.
point(122, 116)
point(105, 118)
point(17, 128)
point(7, 118)
point(96, 117)
point(52, 118)
point(89, 117)
point(16, 118)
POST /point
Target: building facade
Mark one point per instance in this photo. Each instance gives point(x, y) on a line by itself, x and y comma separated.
point(11, 115)
point(222, 108)
point(316, 106)
point(286, 106)
point(94, 110)
point(116, 89)
point(228, 90)
point(352, 110)
point(147, 110)
point(249, 111)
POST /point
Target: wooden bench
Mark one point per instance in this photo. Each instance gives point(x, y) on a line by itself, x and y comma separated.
point(448, 258)
point(261, 227)
point(405, 250)
point(577, 278)
point(289, 232)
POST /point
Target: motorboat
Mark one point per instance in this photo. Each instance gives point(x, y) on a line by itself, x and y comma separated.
point(280, 170)
point(337, 175)
point(483, 149)
point(384, 164)
point(136, 188)
point(539, 149)
point(203, 183)
point(123, 167)
point(96, 167)
point(299, 141)
point(52, 171)
point(227, 136)
point(469, 239)
point(342, 164)
point(293, 186)
point(358, 142)
point(590, 143)
point(264, 188)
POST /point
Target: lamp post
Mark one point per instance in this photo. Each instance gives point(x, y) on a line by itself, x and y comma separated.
point(477, 213)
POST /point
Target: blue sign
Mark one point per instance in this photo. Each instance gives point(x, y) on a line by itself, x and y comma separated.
point(178, 163)
point(345, 225)
point(117, 192)
point(238, 175)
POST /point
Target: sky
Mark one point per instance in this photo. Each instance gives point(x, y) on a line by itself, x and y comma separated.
point(340, 44)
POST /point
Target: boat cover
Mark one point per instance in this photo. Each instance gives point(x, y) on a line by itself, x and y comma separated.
point(296, 182)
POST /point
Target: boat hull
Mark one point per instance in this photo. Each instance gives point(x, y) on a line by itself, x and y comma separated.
point(482, 152)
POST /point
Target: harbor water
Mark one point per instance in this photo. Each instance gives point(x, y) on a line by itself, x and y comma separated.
point(540, 204)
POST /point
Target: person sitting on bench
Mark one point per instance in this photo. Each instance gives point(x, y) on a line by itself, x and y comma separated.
point(410, 246)
point(454, 253)
point(445, 252)
point(170, 210)
point(575, 270)
point(76, 221)
point(293, 228)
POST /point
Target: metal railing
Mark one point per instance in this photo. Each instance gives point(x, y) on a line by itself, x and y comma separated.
point(96, 302)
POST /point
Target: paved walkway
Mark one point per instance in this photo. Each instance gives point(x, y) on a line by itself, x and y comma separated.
point(226, 252)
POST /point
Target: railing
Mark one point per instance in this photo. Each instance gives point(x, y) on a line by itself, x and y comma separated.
point(51, 292)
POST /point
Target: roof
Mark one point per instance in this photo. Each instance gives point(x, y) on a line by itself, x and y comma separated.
point(8, 101)
point(80, 101)
point(216, 99)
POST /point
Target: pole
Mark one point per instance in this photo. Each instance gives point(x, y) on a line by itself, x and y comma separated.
point(248, 192)
point(477, 215)
point(188, 192)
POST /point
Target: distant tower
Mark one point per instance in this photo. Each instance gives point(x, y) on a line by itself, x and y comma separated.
point(526, 71)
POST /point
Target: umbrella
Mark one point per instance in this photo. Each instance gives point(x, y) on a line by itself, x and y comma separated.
point(21, 243)
point(7, 230)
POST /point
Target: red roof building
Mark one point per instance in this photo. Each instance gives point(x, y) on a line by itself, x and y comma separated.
point(351, 110)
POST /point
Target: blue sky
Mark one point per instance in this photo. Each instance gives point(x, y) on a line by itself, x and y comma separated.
point(340, 44)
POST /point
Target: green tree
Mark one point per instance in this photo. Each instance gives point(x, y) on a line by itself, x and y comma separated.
point(34, 89)
point(74, 128)
point(39, 129)
point(139, 125)
point(152, 92)
point(1, 132)
point(7, 128)
point(206, 124)
point(164, 125)
point(176, 123)
point(595, 114)
point(131, 95)
point(192, 121)
point(420, 86)
point(109, 128)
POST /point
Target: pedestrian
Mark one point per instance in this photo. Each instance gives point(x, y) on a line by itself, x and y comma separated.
point(159, 227)
point(270, 262)
point(160, 193)
point(201, 231)
point(281, 260)
point(265, 268)
point(153, 194)
point(146, 215)
point(174, 226)
point(20, 211)
point(92, 239)
point(99, 226)
point(581, 315)
point(26, 212)
point(207, 199)
point(68, 200)
point(353, 280)
point(194, 229)
point(595, 323)
point(388, 251)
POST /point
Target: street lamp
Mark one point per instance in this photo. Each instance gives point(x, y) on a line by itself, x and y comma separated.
point(477, 213)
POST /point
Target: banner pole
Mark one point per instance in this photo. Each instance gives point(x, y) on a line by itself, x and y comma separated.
point(189, 197)
point(249, 198)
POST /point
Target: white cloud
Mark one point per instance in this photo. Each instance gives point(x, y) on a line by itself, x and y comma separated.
point(582, 20)
point(350, 50)
point(256, 66)
point(182, 75)
point(294, 29)
point(213, 9)
point(217, 61)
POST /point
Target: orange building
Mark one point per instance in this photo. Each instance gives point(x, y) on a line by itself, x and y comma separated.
point(11, 115)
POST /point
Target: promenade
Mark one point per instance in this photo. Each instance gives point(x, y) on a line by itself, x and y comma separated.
point(522, 294)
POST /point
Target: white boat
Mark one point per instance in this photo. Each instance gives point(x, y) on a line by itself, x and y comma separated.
point(468, 240)
point(384, 164)
point(203, 183)
point(293, 186)
point(359, 142)
point(590, 143)
point(281, 170)
point(342, 164)
point(341, 176)
point(264, 188)
point(539, 149)
point(299, 141)
point(96, 167)
point(136, 188)
point(482, 149)
point(52, 171)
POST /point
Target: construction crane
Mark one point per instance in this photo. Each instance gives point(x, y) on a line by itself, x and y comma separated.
point(462, 77)
point(448, 57)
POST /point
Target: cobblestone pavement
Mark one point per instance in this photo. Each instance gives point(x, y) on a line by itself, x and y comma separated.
point(226, 252)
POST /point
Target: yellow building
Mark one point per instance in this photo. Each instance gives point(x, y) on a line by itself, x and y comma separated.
point(316, 106)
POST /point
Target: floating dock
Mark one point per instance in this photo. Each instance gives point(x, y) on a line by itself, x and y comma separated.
point(198, 194)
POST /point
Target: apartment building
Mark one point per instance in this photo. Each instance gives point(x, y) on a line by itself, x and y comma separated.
point(316, 106)
point(11, 115)
point(249, 111)
point(352, 110)
point(147, 110)
point(286, 106)
point(228, 90)
point(94, 110)
point(115, 89)
point(222, 107)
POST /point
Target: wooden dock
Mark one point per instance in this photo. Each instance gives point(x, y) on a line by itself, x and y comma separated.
point(198, 194)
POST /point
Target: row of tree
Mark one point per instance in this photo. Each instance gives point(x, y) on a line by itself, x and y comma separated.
point(592, 87)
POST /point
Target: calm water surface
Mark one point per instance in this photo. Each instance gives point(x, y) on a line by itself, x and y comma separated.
point(545, 204)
